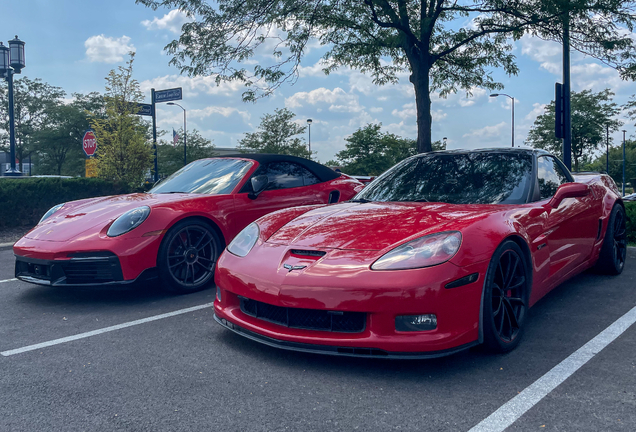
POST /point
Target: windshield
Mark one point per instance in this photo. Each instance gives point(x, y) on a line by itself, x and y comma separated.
point(463, 178)
point(205, 176)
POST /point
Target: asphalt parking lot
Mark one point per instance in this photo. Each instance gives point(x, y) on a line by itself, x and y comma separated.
point(184, 372)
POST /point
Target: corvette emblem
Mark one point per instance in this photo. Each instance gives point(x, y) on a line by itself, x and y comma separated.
point(291, 267)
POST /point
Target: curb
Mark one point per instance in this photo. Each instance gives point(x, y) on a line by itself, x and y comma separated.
point(4, 246)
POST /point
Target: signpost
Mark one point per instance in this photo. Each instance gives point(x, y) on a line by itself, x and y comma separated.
point(89, 143)
point(157, 97)
point(91, 167)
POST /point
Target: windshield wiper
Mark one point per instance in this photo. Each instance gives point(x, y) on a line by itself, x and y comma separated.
point(360, 200)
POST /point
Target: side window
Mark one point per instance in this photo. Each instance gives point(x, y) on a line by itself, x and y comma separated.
point(284, 175)
point(550, 175)
point(308, 177)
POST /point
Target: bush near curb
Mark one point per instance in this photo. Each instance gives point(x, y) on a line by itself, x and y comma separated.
point(630, 209)
point(24, 201)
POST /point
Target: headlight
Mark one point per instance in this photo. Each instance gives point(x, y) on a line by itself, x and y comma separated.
point(245, 240)
point(128, 221)
point(50, 212)
point(425, 251)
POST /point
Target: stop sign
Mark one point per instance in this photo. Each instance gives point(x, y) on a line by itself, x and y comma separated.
point(89, 143)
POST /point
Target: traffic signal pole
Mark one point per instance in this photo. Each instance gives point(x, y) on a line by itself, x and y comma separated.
point(567, 115)
point(154, 133)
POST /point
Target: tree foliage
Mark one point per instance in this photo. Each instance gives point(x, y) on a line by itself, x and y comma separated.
point(369, 151)
point(616, 163)
point(445, 45)
point(32, 102)
point(170, 156)
point(123, 152)
point(277, 134)
point(58, 143)
point(592, 115)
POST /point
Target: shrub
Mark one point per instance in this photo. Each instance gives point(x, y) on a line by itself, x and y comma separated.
point(630, 209)
point(24, 201)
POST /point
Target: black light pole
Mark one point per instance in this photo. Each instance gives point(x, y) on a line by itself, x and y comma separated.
point(185, 157)
point(11, 62)
point(567, 114)
point(624, 162)
point(513, 113)
point(607, 153)
point(154, 133)
point(309, 123)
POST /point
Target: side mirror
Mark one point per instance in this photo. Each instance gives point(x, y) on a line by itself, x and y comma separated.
point(259, 184)
point(569, 190)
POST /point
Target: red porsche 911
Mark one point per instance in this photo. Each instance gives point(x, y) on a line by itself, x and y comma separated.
point(443, 251)
point(178, 229)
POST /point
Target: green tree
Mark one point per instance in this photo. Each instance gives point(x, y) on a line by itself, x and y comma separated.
point(592, 114)
point(123, 151)
point(59, 142)
point(445, 45)
point(616, 163)
point(369, 151)
point(278, 134)
point(170, 156)
point(33, 100)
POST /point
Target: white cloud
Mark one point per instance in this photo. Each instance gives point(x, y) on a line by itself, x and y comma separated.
point(193, 86)
point(461, 98)
point(488, 132)
point(172, 21)
point(107, 49)
point(376, 109)
point(537, 110)
point(223, 111)
point(337, 99)
point(539, 49)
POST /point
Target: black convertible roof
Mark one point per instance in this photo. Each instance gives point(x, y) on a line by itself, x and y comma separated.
point(321, 171)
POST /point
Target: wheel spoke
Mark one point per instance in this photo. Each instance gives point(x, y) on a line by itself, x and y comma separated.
point(511, 315)
point(519, 283)
point(512, 273)
point(207, 243)
point(176, 264)
point(196, 246)
point(515, 301)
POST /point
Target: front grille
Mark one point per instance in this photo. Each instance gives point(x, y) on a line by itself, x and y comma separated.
point(88, 272)
point(309, 319)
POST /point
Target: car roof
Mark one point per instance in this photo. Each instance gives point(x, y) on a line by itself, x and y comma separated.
point(322, 172)
point(517, 150)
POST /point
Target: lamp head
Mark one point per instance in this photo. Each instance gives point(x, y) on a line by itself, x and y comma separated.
point(16, 54)
point(494, 95)
point(309, 121)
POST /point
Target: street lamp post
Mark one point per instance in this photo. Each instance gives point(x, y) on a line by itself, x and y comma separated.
point(185, 156)
point(513, 113)
point(624, 162)
point(11, 62)
point(607, 147)
point(309, 124)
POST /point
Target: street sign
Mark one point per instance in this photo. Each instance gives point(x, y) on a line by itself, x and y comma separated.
point(89, 143)
point(168, 95)
point(91, 167)
point(144, 109)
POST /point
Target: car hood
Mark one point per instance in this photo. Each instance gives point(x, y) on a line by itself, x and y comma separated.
point(375, 226)
point(77, 217)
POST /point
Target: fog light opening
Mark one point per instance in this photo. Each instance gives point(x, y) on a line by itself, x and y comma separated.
point(416, 322)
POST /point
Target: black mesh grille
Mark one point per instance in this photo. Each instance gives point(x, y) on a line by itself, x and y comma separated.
point(89, 272)
point(310, 319)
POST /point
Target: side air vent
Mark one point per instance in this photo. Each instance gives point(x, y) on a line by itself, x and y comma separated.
point(600, 229)
point(311, 253)
point(334, 197)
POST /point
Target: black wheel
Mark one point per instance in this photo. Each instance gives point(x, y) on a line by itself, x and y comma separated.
point(506, 294)
point(187, 256)
point(611, 259)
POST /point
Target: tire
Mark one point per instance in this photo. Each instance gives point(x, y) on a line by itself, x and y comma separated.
point(187, 257)
point(611, 260)
point(506, 294)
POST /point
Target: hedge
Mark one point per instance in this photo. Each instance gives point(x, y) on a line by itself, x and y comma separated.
point(630, 208)
point(24, 201)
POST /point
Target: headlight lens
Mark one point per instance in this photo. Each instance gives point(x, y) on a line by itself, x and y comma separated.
point(50, 212)
point(245, 240)
point(128, 221)
point(425, 251)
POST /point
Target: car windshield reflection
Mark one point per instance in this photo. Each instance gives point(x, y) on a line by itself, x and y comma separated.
point(205, 176)
point(455, 178)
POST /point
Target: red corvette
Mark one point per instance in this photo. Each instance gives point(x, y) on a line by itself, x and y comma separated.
point(444, 251)
point(175, 231)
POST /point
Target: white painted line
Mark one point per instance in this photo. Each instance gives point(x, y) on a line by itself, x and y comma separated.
point(508, 413)
point(104, 330)
point(8, 280)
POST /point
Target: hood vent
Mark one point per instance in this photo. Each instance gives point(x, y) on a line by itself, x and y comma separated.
point(311, 253)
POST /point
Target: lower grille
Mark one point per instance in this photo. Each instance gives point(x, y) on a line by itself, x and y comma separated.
point(92, 272)
point(308, 319)
point(76, 271)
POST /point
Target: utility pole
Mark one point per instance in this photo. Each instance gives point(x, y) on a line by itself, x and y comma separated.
point(567, 115)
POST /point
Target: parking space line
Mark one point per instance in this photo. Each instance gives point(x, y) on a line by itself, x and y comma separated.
point(104, 330)
point(8, 280)
point(508, 413)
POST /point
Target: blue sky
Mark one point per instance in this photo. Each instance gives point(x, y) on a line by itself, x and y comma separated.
point(73, 44)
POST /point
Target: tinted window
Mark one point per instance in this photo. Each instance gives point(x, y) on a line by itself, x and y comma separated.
point(205, 176)
point(550, 176)
point(285, 175)
point(309, 178)
point(473, 178)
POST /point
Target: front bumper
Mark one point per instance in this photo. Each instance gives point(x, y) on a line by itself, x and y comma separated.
point(341, 282)
point(100, 269)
